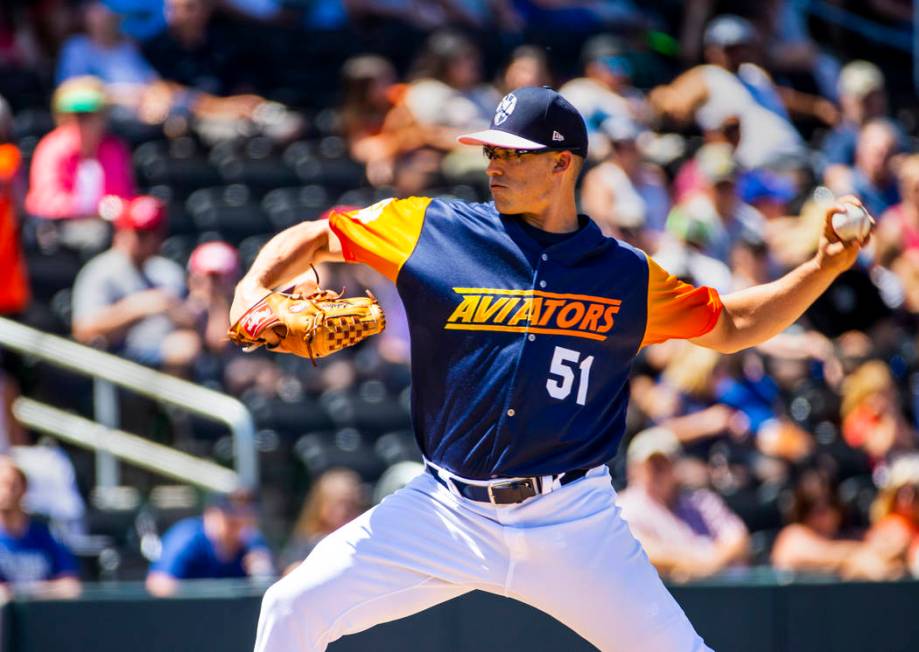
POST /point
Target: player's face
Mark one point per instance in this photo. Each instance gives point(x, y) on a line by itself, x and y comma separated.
point(522, 183)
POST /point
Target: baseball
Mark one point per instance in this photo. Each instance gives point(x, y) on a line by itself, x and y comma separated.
point(853, 224)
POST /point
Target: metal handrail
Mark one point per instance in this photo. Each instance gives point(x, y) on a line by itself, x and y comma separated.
point(136, 450)
point(147, 382)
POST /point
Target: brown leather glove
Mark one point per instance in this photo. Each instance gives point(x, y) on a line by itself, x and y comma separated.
point(311, 326)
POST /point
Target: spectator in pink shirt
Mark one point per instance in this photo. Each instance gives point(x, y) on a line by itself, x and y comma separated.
point(78, 163)
point(686, 533)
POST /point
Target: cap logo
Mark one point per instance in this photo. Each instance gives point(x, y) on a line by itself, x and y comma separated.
point(504, 110)
point(557, 137)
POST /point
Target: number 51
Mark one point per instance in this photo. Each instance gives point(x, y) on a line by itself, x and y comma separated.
point(563, 363)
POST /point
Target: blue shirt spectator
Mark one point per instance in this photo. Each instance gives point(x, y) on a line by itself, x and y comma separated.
point(31, 560)
point(121, 63)
point(33, 555)
point(221, 544)
point(877, 198)
point(189, 554)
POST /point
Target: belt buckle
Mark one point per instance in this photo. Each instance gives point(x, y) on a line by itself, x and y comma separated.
point(527, 482)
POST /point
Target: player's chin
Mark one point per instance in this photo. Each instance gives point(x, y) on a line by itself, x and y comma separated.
point(503, 201)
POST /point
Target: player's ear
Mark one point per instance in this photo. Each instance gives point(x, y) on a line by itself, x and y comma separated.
point(563, 162)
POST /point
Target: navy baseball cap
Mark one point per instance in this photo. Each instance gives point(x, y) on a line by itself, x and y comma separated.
point(534, 119)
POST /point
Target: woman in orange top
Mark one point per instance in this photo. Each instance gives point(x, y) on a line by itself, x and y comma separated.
point(14, 290)
point(895, 513)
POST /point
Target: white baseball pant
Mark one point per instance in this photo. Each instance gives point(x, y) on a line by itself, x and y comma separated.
point(568, 553)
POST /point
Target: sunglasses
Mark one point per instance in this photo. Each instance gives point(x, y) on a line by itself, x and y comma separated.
point(493, 153)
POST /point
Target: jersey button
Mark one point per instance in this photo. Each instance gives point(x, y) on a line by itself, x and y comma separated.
point(531, 337)
point(511, 412)
point(542, 284)
point(545, 256)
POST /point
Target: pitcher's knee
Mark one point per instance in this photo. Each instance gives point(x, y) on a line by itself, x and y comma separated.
point(291, 613)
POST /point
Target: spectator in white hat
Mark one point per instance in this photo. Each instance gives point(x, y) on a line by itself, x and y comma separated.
point(862, 97)
point(685, 532)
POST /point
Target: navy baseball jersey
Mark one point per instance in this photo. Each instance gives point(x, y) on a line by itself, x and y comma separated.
point(522, 348)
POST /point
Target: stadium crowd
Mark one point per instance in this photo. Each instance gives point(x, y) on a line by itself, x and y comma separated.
point(148, 149)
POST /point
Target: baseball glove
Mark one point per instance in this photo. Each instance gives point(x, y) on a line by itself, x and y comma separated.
point(311, 326)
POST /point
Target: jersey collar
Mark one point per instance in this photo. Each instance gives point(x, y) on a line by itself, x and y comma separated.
point(588, 241)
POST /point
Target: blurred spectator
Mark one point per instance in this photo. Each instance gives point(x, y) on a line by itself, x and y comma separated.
point(213, 270)
point(581, 17)
point(447, 88)
point(811, 541)
point(31, 560)
point(689, 178)
point(686, 533)
point(223, 543)
point(894, 529)
point(53, 494)
point(336, 497)
point(527, 66)
point(862, 98)
point(730, 85)
point(143, 100)
point(790, 50)
point(130, 300)
point(898, 227)
point(369, 92)
point(872, 417)
point(103, 52)
point(78, 163)
point(604, 91)
point(446, 95)
point(11, 431)
point(624, 193)
point(872, 177)
point(14, 291)
point(715, 216)
point(199, 51)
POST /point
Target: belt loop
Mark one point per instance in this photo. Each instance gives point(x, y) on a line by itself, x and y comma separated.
point(444, 476)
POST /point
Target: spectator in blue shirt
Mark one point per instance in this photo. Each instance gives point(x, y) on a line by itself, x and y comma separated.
point(31, 560)
point(221, 544)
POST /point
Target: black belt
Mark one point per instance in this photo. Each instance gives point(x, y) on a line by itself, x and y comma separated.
point(505, 492)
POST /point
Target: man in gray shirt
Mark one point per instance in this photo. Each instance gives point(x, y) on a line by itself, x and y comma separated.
point(129, 300)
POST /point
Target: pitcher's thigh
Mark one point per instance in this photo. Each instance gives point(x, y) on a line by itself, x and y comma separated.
point(599, 582)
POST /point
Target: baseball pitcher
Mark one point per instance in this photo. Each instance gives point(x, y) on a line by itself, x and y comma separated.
point(525, 321)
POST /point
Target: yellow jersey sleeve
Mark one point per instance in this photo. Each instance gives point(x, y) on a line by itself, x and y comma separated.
point(677, 309)
point(382, 236)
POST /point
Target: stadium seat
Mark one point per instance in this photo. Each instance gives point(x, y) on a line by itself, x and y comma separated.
point(397, 446)
point(178, 248)
point(373, 413)
point(288, 206)
point(325, 163)
point(347, 447)
point(178, 164)
point(253, 164)
point(229, 212)
point(31, 123)
point(49, 273)
point(290, 419)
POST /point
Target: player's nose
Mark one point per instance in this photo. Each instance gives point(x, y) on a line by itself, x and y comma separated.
point(495, 168)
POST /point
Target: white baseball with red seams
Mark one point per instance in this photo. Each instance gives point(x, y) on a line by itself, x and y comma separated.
point(852, 224)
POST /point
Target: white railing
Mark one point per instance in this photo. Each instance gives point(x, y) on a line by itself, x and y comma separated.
point(133, 449)
point(108, 371)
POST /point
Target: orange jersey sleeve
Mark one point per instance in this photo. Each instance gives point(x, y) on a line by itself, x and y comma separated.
point(677, 309)
point(383, 235)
